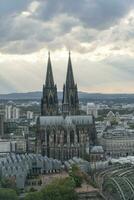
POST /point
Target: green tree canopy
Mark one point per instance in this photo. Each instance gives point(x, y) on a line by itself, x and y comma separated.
point(34, 196)
point(76, 175)
point(8, 194)
point(8, 183)
point(60, 189)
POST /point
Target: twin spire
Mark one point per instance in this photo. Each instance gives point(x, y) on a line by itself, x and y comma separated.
point(49, 74)
point(70, 76)
point(70, 103)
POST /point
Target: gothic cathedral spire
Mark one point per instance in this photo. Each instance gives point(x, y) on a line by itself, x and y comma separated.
point(70, 93)
point(70, 76)
point(49, 101)
point(49, 74)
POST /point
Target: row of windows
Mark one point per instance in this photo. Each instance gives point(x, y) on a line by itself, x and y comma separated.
point(72, 138)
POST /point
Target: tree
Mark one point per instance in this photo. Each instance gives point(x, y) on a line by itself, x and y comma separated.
point(8, 183)
point(76, 175)
point(34, 196)
point(32, 189)
point(60, 189)
point(8, 194)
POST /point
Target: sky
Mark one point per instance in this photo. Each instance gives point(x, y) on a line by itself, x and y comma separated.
point(99, 34)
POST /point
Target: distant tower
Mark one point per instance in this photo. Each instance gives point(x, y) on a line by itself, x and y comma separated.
point(49, 101)
point(1, 125)
point(70, 102)
point(65, 103)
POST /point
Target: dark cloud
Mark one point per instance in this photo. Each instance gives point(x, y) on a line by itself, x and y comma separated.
point(99, 14)
point(22, 34)
point(8, 7)
point(58, 23)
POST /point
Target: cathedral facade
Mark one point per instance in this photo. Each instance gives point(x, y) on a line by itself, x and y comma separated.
point(67, 134)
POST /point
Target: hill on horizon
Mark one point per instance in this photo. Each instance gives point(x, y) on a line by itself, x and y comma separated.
point(82, 96)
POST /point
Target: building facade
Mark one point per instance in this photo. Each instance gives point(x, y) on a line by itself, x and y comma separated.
point(92, 109)
point(19, 167)
point(118, 142)
point(49, 101)
point(1, 125)
point(63, 136)
point(11, 111)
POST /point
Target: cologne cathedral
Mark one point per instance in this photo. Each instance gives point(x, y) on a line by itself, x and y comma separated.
point(63, 134)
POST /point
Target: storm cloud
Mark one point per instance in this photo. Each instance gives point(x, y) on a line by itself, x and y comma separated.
point(99, 33)
point(26, 26)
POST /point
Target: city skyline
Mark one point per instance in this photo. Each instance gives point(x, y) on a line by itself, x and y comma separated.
point(99, 35)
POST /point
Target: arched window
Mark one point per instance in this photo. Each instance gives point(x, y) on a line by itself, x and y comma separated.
point(58, 139)
point(48, 142)
point(54, 138)
point(72, 100)
point(54, 135)
point(51, 100)
point(65, 138)
point(72, 137)
point(78, 136)
point(48, 133)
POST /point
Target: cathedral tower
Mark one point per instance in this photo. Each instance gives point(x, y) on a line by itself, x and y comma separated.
point(49, 101)
point(70, 102)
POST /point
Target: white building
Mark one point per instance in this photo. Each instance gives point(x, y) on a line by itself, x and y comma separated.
point(12, 112)
point(12, 146)
point(15, 113)
point(7, 146)
point(1, 125)
point(29, 115)
point(8, 111)
point(118, 142)
point(92, 109)
point(111, 116)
